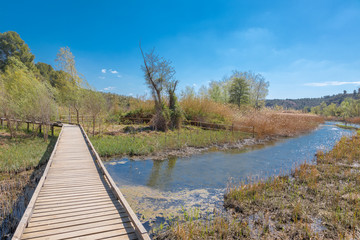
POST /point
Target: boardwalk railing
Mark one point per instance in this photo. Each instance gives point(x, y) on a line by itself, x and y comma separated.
point(30, 208)
point(58, 205)
point(139, 228)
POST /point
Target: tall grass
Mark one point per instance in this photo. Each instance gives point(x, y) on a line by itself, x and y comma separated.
point(146, 143)
point(198, 109)
point(267, 122)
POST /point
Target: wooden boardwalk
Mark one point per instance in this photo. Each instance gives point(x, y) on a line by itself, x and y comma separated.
point(76, 197)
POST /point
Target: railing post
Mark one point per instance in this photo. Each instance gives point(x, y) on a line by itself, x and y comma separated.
point(52, 130)
point(253, 132)
point(28, 126)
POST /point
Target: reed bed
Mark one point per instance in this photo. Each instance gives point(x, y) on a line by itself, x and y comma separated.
point(267, 122)
point(319, 200)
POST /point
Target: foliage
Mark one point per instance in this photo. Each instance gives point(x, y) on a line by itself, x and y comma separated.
point(300, 104)
point(239, 92)
point(11, 45)
point(23, 95)
point(348, 108)
point(94, 104)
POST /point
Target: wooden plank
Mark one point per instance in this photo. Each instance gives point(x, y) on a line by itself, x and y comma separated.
point(71, 214)
point(86, 220)
point(76, 199)
point(77, 218)
point(140, 230)
point(86, 232)
point(28, 212)
point(43, 232)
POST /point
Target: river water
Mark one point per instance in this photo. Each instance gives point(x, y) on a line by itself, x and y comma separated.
point(158, 189)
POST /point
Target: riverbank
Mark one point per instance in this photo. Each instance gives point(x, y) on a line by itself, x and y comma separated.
point(141, 142)
point(319, 200)
point(22, 163)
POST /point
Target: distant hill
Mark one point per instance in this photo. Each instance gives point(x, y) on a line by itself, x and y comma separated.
point(300, 103)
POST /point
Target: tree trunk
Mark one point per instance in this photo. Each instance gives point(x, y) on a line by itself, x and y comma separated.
point(77, 116)
point(93, 126)
point(45, 132)
point(12, 133)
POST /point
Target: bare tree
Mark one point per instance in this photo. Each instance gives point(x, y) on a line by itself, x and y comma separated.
point(158, 74)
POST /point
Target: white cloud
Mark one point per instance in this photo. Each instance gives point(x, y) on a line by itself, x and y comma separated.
point(103, 70)
point(109, 88)
point(119, 76)
point(130, 94)
point(113, 71)
point(333, 83)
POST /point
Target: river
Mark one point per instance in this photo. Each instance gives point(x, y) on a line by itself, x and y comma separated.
point(158, 189)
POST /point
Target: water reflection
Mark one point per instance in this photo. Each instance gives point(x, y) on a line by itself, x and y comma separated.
point(160, 176)
point(156, 188)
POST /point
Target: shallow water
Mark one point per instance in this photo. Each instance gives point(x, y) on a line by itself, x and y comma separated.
point(157, 189)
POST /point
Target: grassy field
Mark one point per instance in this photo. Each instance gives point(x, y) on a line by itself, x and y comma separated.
point(23, 152)
point(146, 142)
point(317, 201)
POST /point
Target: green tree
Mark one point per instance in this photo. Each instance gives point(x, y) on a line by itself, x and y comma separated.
point(239, 92)
point(24, 96)
point(75, 92)
point(259, 89)
point(11, 45)
point(174, 107)
point(95, 104)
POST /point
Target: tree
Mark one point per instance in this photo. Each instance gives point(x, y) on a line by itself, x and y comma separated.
point(11, 45)
point(24, 96)
point(158, 74)
point(94, 103)
point(239, 92)
point(174, 107)
point(75, 94)
point(188, 93)
point(259, 91)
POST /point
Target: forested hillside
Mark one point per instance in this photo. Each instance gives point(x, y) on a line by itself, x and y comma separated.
point(300, 104)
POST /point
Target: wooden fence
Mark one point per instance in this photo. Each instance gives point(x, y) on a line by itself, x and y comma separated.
point(28, 122)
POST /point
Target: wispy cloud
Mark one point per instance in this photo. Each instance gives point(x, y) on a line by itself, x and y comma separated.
point(113, 71)
point(119, 76)
point(103, 70)
point(109, 88)
point(333, 83)
point(102, 77)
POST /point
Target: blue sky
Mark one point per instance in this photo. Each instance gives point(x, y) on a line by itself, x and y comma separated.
point(303, 48)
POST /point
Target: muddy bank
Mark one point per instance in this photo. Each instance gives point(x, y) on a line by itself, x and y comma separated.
point(189, 151)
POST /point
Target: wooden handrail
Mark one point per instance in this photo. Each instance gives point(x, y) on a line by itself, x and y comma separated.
point(139, 228)
point(30, 208)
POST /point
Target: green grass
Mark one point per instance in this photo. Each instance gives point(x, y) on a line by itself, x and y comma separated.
point(147, 143)
point(23, 152)
point(347, 127)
